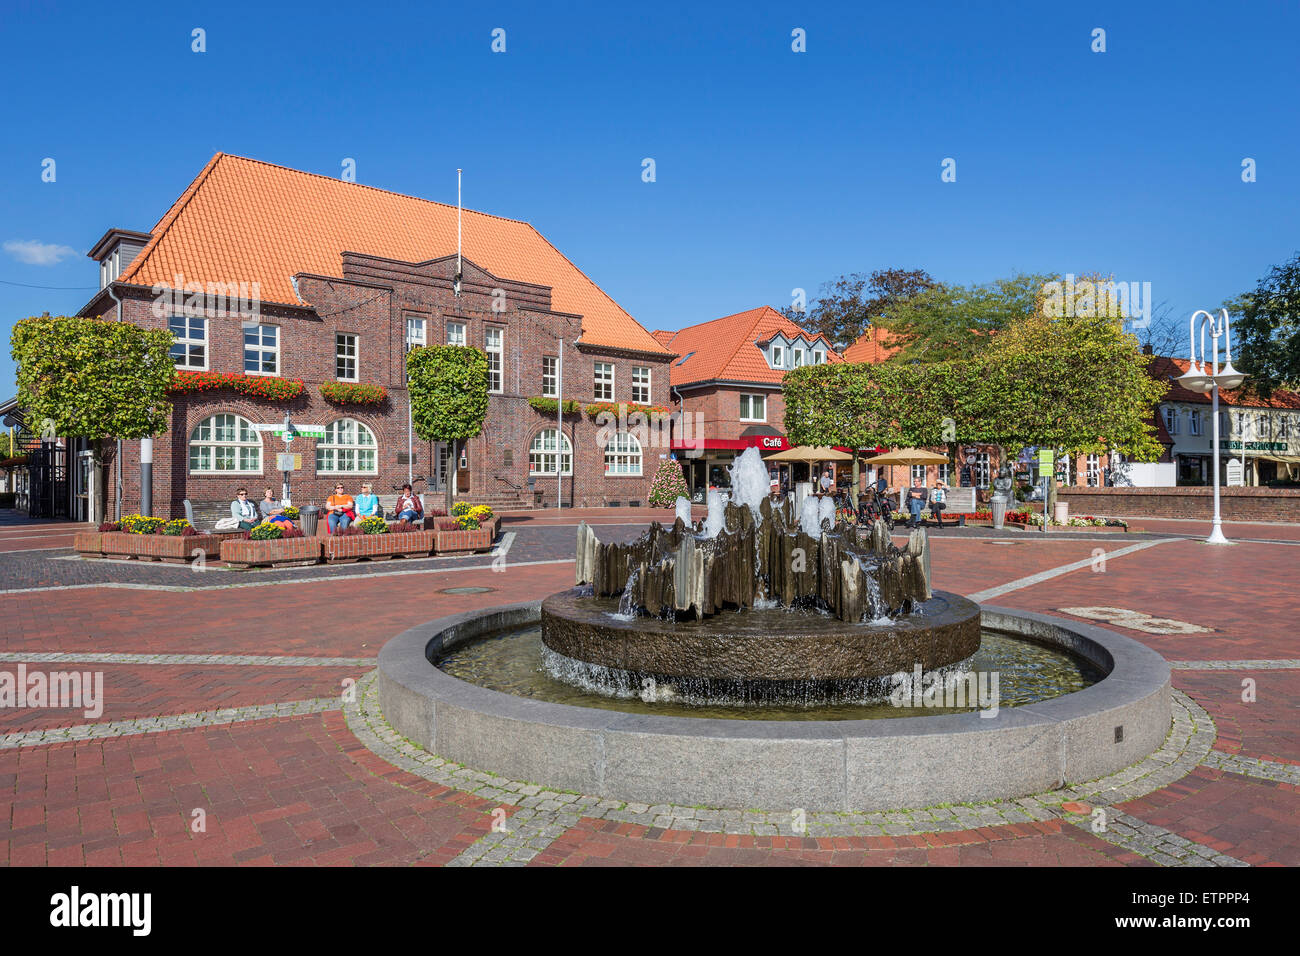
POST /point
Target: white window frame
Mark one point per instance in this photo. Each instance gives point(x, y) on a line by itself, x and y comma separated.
point(456, 333)
point(261, 349)
point(189, 343)
point(540, 450)
point(623, 456)
point(944, 470)
point(762, 398)
point(341, 345)
point(798, 358)
point(1094, 471)
point(1194, 422)
point(551, 379)
point(819, 357)
point(778, 356)
point(1171, 420)
point(641, 384)
point(494, 338)
point(602, 381)
point(246, 439)
point(918, 476)
point(354, 440)
point(980, 470)
point(416, 332)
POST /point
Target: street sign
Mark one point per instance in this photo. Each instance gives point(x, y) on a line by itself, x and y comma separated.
point(1046, 459)
point(287, 462)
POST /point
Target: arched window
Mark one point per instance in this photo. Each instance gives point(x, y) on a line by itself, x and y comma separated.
point(225, 444)
point(622, 454)
point(542, 454)
point(348, 448)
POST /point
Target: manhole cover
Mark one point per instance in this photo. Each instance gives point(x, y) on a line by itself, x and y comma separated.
point(466, 590)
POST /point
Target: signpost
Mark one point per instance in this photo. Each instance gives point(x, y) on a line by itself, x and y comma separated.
point(1046, 465)
point(1235, 479)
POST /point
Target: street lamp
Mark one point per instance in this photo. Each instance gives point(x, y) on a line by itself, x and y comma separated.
point(1204, 377)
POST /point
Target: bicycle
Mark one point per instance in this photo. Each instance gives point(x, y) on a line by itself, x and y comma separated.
point(878, 509)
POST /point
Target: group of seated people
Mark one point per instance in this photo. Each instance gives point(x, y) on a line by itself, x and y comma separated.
point(341, 509)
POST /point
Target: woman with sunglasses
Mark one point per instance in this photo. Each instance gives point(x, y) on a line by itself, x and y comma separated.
point(340, 508)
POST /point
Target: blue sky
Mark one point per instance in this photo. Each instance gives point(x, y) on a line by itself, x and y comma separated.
point(774, 169)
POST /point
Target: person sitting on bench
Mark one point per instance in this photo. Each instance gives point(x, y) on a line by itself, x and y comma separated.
point(243, 510)
point(368, 503)
point(408, 507)
point(271, 510)
point(340, 510)
point(938, 500)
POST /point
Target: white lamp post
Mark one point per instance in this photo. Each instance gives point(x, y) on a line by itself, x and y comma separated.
point(1205, 376)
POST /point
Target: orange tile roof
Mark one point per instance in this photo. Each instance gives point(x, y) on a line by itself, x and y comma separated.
point(246, 220)
point(1163, 369)
point(870, 348)
point(724, 348)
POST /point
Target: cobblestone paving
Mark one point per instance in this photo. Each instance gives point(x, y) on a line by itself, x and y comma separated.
point(1156, 843)
point(1254, 767)
point(1257, 665)
point(248, 660)
point(154, 725)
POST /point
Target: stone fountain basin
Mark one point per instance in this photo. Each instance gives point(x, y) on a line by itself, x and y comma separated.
point(821, 765)
point(776, 644)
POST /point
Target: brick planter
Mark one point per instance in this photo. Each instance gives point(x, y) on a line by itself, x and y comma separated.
point(452, 542)
point(173, 549)
point(88, 544)
point(278, 552)
point(341, 548)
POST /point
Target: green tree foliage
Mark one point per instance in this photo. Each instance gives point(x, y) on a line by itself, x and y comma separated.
point(955, 321)
point(449, 395)
point(1267, 331)
point(91, 378)
point(1076, 383)
point(847, 306)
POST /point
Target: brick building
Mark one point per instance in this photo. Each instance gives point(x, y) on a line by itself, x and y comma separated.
point(726, 381)
point(269, 272)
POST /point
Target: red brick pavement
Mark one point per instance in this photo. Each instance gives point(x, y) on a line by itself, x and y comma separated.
point(303, 790)
point(155, 690)
point(610, 843)
point(298, 790)
point(1253, 820)
point(1241, 591)
point(1268, 728)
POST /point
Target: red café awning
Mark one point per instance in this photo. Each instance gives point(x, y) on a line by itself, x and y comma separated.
point(761, 442)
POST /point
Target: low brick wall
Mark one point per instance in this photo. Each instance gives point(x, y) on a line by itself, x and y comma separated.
point(279, 552)
point(451, 542)
point(350, 547)
point(174, 549)
point(1235, 504)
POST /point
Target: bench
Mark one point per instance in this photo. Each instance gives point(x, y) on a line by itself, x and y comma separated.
point(203, 515)
point(960, 501)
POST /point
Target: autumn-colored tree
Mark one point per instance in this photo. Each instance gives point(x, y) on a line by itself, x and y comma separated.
point(847, 306)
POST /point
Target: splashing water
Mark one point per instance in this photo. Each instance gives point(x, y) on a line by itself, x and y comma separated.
point(716, 519)
point(750, 483)
point(826, 511)
point(684, 510)
point(810, 518)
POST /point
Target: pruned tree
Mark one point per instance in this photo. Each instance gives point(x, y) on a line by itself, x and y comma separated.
point(449, 396)
point(94, 379)
point(846, 307)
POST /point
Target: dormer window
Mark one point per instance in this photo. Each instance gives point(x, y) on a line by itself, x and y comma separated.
point(778, 356)
point(116, 250)
point(818, 356)
point(798, 358)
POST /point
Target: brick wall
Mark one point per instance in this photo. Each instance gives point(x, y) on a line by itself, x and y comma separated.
point(1235, 504)
point(373, 302)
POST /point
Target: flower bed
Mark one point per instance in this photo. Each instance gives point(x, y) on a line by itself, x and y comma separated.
point(275, 552)
point(450, 538)
point(353, 393)
point(171, 548)
point(341, 548)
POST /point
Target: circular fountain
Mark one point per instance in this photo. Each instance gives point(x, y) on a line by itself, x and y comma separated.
point(796, 628)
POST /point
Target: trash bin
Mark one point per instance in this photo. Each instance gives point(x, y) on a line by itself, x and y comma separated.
point(308, 516)
point(999, 506)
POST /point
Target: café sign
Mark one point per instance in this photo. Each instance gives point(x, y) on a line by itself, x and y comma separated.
point(1257, 445)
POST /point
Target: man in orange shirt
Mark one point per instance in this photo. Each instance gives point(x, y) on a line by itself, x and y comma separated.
point(338, 505)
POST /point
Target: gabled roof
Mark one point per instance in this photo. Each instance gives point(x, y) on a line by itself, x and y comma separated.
point(1163, 369)
point(726, 349)
point(870, 347)
point(243, 220)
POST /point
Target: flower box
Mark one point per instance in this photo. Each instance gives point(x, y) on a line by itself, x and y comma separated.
point(88, 544)
point(451, 542)
point(173, 549)
point(276, 552)
point(377, 547)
